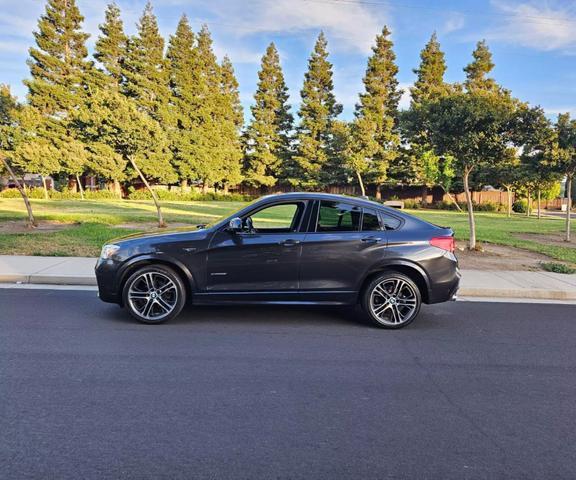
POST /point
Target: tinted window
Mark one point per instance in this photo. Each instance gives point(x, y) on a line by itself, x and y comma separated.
point(390, 222)
point(338, 217)
point(276, 217)
point(370, 221)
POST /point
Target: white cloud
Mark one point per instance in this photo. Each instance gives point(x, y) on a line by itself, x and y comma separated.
point(454, 21)
point(543, 25)
point(555, 111)
point(350, 26)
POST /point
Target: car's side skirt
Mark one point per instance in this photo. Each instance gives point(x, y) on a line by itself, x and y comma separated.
point(274, 297)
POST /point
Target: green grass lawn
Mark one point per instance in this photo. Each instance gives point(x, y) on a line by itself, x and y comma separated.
point(95, 222)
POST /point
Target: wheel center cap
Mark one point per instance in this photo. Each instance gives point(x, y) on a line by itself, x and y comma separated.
point(153, 295)
point(393, 301)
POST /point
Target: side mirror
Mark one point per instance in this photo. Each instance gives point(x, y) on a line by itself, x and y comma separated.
point(235, 225)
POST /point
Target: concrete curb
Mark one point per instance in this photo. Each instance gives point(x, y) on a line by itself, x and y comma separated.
point(81, 280)
point(527, 293)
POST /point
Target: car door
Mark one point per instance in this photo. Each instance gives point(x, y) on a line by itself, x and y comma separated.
point(345, 242)
point(264, 257)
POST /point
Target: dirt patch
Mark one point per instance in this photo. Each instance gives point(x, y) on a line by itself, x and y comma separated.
point(556, 238)
point(14, 227)
point(499, 257)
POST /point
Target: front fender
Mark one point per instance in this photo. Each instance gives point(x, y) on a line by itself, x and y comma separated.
point(148, 258)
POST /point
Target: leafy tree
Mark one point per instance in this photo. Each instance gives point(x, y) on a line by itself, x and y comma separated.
point(375, 138)
point(475, 130)
point(317, 113)
point(267, 139)
point(438, 170)
point(566, 158)
point(110, 120)
point(230, 125)
point(506, 173)
point(110, 49)
point(8, 109)
point(430, 84)
point(145, 69)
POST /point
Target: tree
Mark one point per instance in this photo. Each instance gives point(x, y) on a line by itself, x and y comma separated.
point(230, 125)
point(566, 159)
point(145, 69)
point(374, 133)
point(182, 58)
point(110, 48)
point(317, 113)
point(475, 130)
point(478, 70)
point(113, 121)
point(267, 139)
point(8, 108)
point(60, 73)
point(429, 84)
point(428, 87)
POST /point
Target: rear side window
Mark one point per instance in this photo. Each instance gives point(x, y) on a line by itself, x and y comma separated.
point(338, 217)
point(390, 222)
point(370, 221)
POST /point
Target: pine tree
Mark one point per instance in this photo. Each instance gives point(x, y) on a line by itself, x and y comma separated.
point(58, 63)
point(374, 133)
point(231, 123)
point(429, 83)
point(146, 72)
point(182, 60)
point(267, 140)
point(478, 70)
point(110, 49)
point(317, 113)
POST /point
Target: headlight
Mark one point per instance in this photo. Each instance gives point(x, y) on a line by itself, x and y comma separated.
point(108, 251)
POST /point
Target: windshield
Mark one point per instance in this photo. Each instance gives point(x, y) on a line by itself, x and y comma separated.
point(223, 217)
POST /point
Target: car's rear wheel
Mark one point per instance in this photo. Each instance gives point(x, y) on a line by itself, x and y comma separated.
point(154, 294)
point(392, 300)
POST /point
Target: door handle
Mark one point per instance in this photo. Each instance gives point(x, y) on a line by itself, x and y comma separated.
point(289, 243)
point(371, 240)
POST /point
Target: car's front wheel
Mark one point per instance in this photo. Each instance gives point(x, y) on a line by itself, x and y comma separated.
point(392, 300)
point(154, 294)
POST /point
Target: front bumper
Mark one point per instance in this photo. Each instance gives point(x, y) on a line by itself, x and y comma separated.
point(106, 275)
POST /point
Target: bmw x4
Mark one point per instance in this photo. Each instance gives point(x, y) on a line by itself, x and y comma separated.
point(294, 248)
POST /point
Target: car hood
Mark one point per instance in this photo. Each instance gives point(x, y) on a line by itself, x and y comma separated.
point(161, 234)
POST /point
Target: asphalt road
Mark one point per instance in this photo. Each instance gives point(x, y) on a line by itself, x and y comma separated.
point(469, 391)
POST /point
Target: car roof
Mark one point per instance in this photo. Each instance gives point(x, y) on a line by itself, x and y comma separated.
point(324, 196)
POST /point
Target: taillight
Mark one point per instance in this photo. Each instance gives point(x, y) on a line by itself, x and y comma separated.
point(445, 243)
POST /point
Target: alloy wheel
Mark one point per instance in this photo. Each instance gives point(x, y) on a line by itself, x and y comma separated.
point(153, 295)
point(393, 301)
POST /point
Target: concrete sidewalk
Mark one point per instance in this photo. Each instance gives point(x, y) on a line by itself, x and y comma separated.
point(475, 283)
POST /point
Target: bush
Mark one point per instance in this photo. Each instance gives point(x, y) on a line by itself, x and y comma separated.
point(557, 267)
point(64, 194)
point(520, 206)
point(178, 196)
point(487, 207)
point(412, 204)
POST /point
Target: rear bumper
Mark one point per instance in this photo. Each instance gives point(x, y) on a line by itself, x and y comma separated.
point(445, 289)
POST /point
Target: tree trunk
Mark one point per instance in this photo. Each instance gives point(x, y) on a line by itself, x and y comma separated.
point(44, 187)
point(161, 222)
point(184, 185)
point(509, 194)
point(424, 195)
point(378, 192)
point(117, 187)
point(529, 204)
point(361, 183)
point(31, 220)
point(471, 220)
point(539, 202)
point(204, 187)
point(452, 199)
point(568, 207)
point(80, 186)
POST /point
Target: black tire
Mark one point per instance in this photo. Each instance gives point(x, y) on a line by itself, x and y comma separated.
point(389, 309)
point(161, 302)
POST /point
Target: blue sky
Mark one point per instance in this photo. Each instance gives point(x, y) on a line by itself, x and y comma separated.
point(533, 42)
